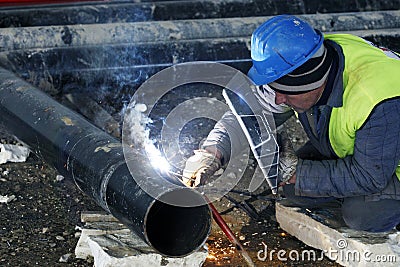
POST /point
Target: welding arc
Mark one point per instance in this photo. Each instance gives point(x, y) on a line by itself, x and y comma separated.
point(228, 232)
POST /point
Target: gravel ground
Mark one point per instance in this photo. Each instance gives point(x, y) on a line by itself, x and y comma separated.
point(38, 226)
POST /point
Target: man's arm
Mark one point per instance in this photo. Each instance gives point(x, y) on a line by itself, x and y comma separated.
point(228, 129)
point(369, 170)
point(218, 139)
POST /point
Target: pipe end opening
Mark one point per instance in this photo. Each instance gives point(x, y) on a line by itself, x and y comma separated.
point(177, 231)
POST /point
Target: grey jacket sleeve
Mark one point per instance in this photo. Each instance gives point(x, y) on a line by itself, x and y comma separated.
point(368, 170)
point(224, 130)
point(227, 131)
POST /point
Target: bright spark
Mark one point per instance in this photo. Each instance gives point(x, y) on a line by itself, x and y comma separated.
point(156, 159)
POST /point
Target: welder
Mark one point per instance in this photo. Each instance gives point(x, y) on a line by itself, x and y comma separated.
point(345, 92)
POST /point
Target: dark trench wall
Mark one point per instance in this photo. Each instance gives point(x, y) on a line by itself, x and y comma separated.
point(122, 11)
point(107, 50)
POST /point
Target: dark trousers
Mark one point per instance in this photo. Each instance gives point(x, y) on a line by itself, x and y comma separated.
point(358, 213)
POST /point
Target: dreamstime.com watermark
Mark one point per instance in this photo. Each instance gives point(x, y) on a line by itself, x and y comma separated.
point(340, 254)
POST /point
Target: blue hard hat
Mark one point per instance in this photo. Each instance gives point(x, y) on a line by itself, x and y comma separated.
point(280, 45)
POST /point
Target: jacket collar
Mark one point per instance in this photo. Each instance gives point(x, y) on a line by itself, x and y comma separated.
point(335, 78)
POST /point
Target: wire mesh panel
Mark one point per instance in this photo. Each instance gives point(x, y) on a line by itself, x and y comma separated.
point(256, 126)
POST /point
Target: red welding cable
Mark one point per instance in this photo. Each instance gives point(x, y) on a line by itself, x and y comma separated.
point(228, 232)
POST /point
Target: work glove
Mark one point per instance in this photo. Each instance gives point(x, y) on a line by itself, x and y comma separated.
point(287, 158)
point(199, 167)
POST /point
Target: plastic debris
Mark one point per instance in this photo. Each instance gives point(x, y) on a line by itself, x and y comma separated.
point(13, 153)
point(7, 199)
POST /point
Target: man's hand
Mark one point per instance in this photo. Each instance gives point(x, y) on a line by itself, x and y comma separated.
point(200, 167)
point(291, 180)
point(287, 159)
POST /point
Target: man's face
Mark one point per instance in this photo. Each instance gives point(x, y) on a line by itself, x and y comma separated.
point(301, 102)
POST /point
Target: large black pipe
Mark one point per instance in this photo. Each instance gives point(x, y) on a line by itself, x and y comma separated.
point(96, 162)
point(112, 12)
point(163, 31)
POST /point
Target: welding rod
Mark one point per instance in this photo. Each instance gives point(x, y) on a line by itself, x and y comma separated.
point(228, 232)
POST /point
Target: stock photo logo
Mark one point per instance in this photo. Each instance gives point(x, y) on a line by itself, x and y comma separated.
point(164, 151)
point(344, 252)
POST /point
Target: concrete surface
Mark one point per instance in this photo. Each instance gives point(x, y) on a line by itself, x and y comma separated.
point(110, 243)
point(323, 229)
